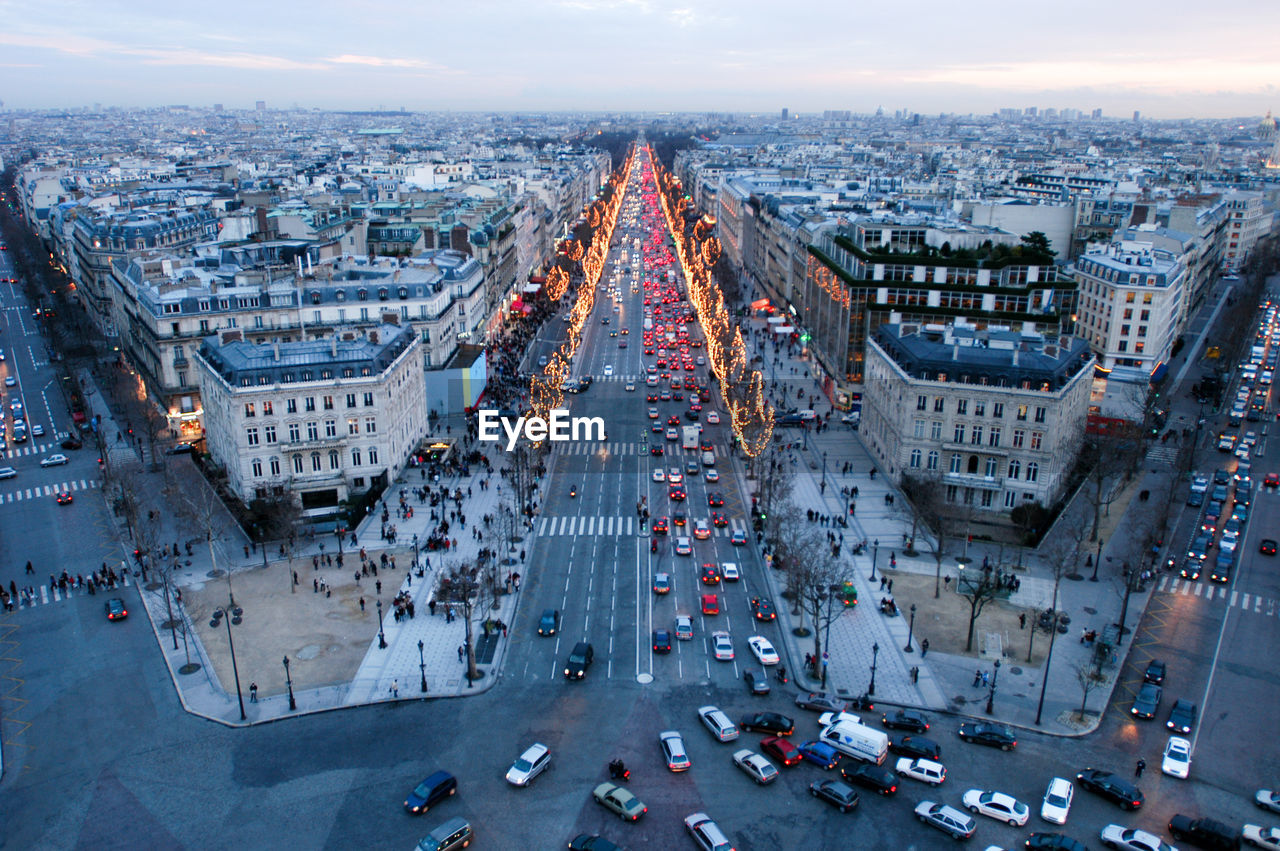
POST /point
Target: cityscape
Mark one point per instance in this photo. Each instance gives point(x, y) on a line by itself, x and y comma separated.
point(692, 458)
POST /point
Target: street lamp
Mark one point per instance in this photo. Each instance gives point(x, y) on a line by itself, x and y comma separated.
point(422, 667)
point(218, 615)
point(875, 555)
point(1096, 559)
point(382, 638)
point(293, 704)
point(911, 630)
point(415, 550)
point(875, 651)
point(991, 694)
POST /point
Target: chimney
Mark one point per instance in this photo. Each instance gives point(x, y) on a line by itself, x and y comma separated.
point(333, 344)
point(276, 351)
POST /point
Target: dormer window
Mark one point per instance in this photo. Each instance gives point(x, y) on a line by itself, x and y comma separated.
point(383, 295)
point(403, 292)
point(340, 295)
point(315, 297)
point(362, 294)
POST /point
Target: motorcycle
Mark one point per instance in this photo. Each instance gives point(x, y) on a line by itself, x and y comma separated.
point(782, 674)
point(618, 771)
point(653, 545)
point(573, 491)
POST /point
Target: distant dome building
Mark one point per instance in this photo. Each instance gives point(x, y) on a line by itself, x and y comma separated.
point(1268, 128)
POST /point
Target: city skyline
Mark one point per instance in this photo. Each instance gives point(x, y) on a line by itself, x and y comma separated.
point(1188, 62)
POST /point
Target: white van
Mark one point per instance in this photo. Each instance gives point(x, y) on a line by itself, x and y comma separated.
point(857, 740)
point(708, 459)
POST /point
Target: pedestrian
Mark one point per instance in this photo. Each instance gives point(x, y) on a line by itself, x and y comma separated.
point(882, 582)
point(432, 606)
point(504, 628)
point(986, 678)
point(315, 586)
point(295, 577)
point(253, 692)
point(924, 648)
point(1140, 767)
point(977, 678)
point(362, 604)
point(1022, 621)
point(395, 688)
point(459, 652)
point(890, 585)
point(378, 585)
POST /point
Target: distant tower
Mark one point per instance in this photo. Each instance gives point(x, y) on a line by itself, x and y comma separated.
point(1137, 116)
point(1097, 113)
point(785, 113)
point(261, 106)
point(1273, 159)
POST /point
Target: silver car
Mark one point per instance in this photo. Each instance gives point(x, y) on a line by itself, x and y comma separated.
point(535, 760)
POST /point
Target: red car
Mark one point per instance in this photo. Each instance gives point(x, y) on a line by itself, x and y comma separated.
point(1272, 480)
point(710, 604)
point(781, 749)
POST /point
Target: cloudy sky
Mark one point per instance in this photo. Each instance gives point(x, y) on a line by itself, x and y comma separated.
point(1173, 58)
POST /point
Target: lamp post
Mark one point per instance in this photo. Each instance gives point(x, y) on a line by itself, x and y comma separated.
point(415, 550)
point(875, 651)
point(1053, 634)
point(829, 598)
point(875, 555)
point(382, 638)
point(422, 667)
point(233, 615)
point(288, 680)
point(991, 694)
point(1097, 558)
point(911, 630)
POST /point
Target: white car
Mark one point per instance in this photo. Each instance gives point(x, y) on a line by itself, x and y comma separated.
point(1200, 484)
point(675, 476)
point(1268, 800)
point(684, 546)
point(659, 475)
point(531, 763)
point(1177, 757)
point(826, 719)
point(653, 413)
point(53, 460)
point(924, 770)
point(722, 646)
point(674, 751)
point(997, 805)
point(37, 430)
point(711, 475)
point(608, 369)
point(757, 767)
point(1259, 837)
point(1132, 839)
point(729, 571)
point(1057, 801)
point(713, 418)
point(718, 723)
point(763, 650)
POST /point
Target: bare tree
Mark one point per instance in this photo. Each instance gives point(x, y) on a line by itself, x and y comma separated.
point(276, 518)
point(818, 576)
point(979, 587)
point(789, 534)
point(200, 507)
point(1090, 679)
point(1110, 461)
point(461, 585)
point(930, 509)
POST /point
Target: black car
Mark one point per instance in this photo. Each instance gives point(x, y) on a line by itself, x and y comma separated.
point(116, 610)
point(762, 608)
point(1147, 701)
point(1054, 842)
point(1204, 833)
point(837, 794)
point(874, 777)
point(915, 746)
point(1196, 499)
point(661, 641)
point(434, 789)
point(549, 622)
point(589, 842)
point(1112, 787)
point(1191, 568)
point(768, 722)
point(1155, 672)
point(1182, 718)
point(757, 680)
point(991, 735)
point(579, 660)
point(905, 719)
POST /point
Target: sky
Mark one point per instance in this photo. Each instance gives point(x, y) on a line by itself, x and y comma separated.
point(1170, 59)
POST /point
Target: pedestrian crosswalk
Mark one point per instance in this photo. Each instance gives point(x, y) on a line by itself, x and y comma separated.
point(1162, 453)
point(626, 448)
point(1244, 601)
point(46, 594)
point(17, 450)
point(615, 526)
point(41, 491)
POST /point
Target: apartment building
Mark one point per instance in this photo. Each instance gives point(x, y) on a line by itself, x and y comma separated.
point(1131, 300)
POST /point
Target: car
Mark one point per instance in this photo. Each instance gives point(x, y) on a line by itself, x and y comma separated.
point(535, 760)
point(672, 434)
point(549, 622)
point(1212, 515)
point(1154, 672)
point(820, 754)
point(711, 476)
point(1240, 511)
point(837, 793)
point(656, 449)
point(1195, 499)
point(435, 788)
point(821, 702)
point(924, 770)
point(1204, 833)
point(701, 530)
point(1191, 568)
point(1053, 842)
point(1200, 483)
point(718, 723)
point(715, 499)
point(619, 801)
point(710, 604)
point(580, 658)
point(1219, 493)
point(1222, 567)
point(71, 442)
point(762, 608)
point(755, 766)
point(1267, 799)
point(947, 819)
point(1112, 787)
point(738, 538)
point(453, 834)
point(10, 381)
point(1271, 481)
point(710, 574)
point(679, 518)
point(998, 806)
point(674, 751)
point(1147, 701)
point(826, 719)
point(757, 681)
point(991, 735)
point(1176, 761)
point(684, 628)
point(905, 719)
point(116, 610)
point(905, 745)
point(65, 498)
point(763, 650)
point(1221, 477)
point(713, 418)
point(37, 430)
point(660, 526)
point(768, 722)
point(729, 571)
point(659, 475)
point(1182, 717)
point(7, 472)
point(674, 476)
point(870, 776)
point(1057, 801)
point(1132, 839)
point(1226, 442)
point(1267, 547)
point(1260, 837)
point(661, 641)
point(592, 842)
point(54, 460)
point(653, 413)
point(684, 546)
point(706, 833)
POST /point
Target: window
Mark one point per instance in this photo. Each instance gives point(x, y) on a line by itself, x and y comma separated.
point(1037, 438)
point(937, 404)
point(353, 426)
point(370, 425)
point(355, 457)
point(976, 437)
point(955, 463)
point(1040, 414)
point(918, 431)
point(351, 400)
point(933, 460)
point(204, 326)
point(962, 407)
point(256, 466)
point(251, 434)
point(1124, 331)
point(993, 468)
point(951, 493)
point(313, 430)
point(269, 432)
point(291, 406)
point(315, 462)
point(275, 466)
point(959, 433)
point(987, 497)
point(993, 439)
point(922, 402)
point(935, 430)
point(1033, 471)
point(250, 410)
point(979, 408)
point(1015, 468)
point(1010, 499)
point(1018, 436)
point(997, 410)
point(309, 403)
point(1128, 313)
point(268, 409)
point(297, 463)
point(328, 403)
point(368, 400)
point(335, 460)
point(330, 428)
point(373, 455)
point(916, 456)
point(1022, 413)
point(295, 434)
